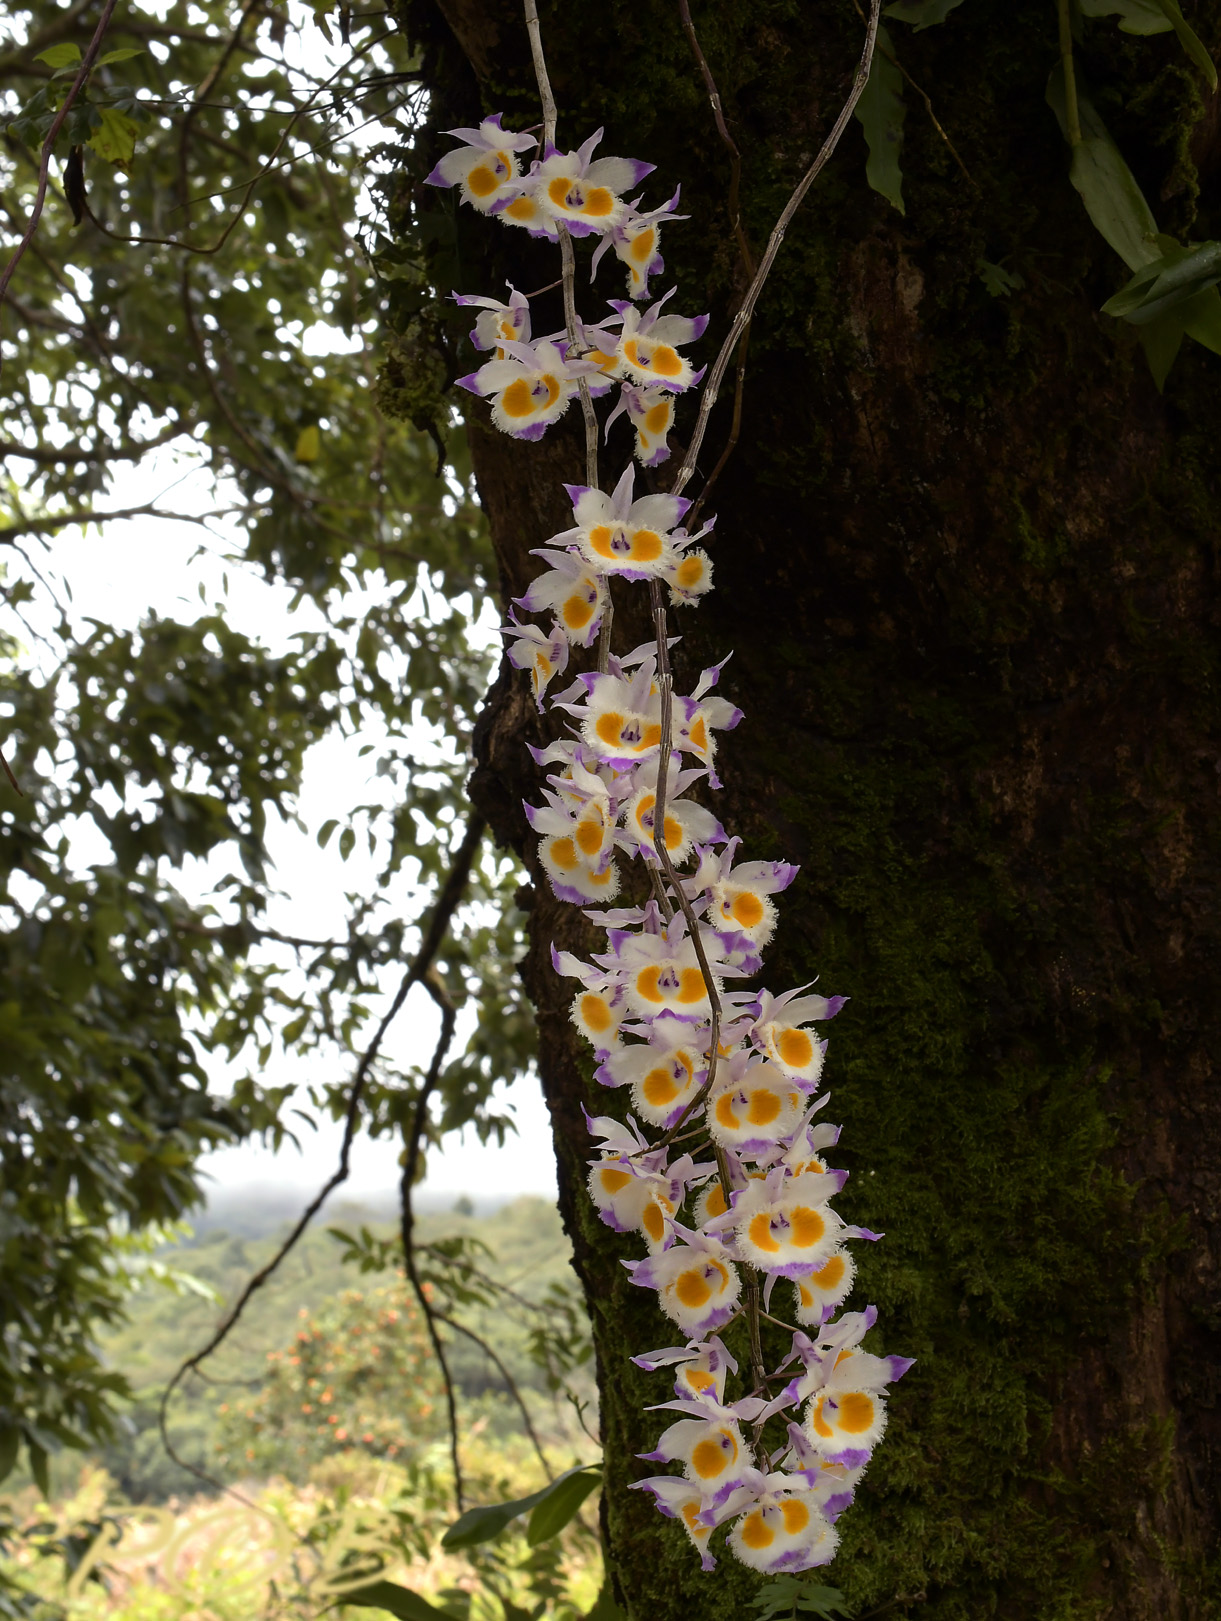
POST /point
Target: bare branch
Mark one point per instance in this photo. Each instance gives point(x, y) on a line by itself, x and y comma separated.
point(447, 903)
point(407, 1217)
point(63, 520)
point(510, 1384)
point(127, 450)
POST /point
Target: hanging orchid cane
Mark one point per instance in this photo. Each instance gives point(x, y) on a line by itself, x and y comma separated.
point(736, 1070)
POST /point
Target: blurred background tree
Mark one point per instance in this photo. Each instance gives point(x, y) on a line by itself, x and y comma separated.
point(195, 336)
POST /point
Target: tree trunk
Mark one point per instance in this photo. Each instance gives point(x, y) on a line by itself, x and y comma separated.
point(966, 561)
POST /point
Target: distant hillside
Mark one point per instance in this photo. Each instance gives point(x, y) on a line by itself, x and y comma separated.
point(237, 1237)
point(258, 1212)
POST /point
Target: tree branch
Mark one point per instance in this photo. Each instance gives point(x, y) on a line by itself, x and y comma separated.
point(447, 903)
point(63, 520)
point(510, 1383)
point(411, 1156)
point(44, 163)
point(127, 450)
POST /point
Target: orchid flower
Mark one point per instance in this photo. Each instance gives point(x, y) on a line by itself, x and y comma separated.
point(486, 166)
point(531, 649)
point(620, 535)
point(687, 823)
point(570, 589)
point(583, 192)
point(696, 1281)
point(636, 242)
point(499, 323)
point(531, 387)
point(750, 1109)
point(651, 413)
point(648, 343)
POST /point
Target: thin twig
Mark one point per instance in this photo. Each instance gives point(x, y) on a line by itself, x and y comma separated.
point(758, 1370)
point(747, 308)
point(665, 680)
point(407, 1216)
point(745, 253)
point(127, 450)
point(447, 903)
point(44, 161)
point(735, 172)
point(735, 429)
point(261, 173)
point(62, 520)
point(8, 772)
point(510, 1384)
point(208, 84)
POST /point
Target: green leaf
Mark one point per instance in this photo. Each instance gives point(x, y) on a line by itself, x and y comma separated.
point(1190, 41)
point(392, 1598)
point(123, 54)
point(921, 13)
point(1202, 319)
point(10, 1443)
point(1108, 188)
point(482, 1524)
point(1177, 276)
point(788, 1595)
point(309, 444)
point(59, 56)
point(605, 1609)
point(1113, 200)
point(347, 840)
point(1135, 16)
point(999, 281)
point(115, 141)
point(559, 1506)
point(325, 832)
point(881, 111)
point(1161, 341)
point(38, 1466)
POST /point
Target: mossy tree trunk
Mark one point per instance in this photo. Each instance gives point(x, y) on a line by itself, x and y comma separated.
point(966, 558)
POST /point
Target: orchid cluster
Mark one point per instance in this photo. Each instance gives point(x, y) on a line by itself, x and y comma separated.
point(735, 1073)
point(532, 381)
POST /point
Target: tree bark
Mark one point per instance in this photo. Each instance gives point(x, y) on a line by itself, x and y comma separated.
point(966, 559)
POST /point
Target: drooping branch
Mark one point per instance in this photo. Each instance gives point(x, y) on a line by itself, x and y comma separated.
point(447, 903)
point(411, 1154)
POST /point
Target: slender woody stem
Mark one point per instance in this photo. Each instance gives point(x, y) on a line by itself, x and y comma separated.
point(752, 1304)
point(665, 680)
point(567, 256)
point(747, 308)
point(448, 901)
point(413, 1138)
